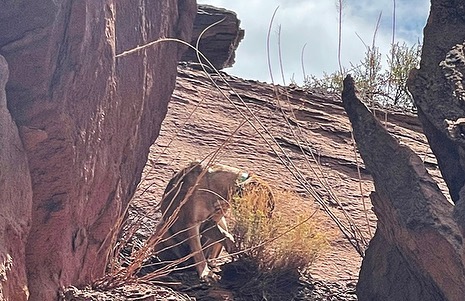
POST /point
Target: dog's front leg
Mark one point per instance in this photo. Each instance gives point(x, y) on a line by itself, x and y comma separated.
point(199, 258)
point(229, 242)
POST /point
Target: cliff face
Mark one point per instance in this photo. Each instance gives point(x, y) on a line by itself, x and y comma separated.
point(86, 121)
point(416, 251)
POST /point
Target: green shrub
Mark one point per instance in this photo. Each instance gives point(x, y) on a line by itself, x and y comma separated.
point(386, 87)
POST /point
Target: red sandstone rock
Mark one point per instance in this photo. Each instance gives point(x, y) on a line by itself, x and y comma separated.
point(16, 203)
point(87, 120)
point(437, 88)
point(201, 119)
point(219, 42)
point(417, 251)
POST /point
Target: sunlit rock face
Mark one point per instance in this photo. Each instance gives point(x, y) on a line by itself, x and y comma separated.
point(86, 120)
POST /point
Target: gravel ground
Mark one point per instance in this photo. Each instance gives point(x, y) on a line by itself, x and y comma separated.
point(308, 291)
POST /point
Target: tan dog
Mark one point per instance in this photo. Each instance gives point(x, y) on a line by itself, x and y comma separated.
point(193, 208)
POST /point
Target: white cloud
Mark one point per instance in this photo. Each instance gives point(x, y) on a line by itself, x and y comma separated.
point(315, 23)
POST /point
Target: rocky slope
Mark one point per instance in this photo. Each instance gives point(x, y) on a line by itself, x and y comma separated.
point(294, 139)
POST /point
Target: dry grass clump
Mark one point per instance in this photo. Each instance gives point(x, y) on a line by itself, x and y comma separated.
point(273, 250)
point(288, 240)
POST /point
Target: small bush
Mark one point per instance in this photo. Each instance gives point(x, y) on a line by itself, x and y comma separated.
point(273, 251)
point(287, 240)
point(385, 86)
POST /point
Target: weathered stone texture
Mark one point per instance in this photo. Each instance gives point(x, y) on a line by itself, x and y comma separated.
point(16, 202)
point(436, 87)
point(416, 253)
point(219, 42)
point(86, 119)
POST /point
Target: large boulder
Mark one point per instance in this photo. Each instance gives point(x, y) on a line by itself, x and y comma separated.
point(218, 43)
point(16, 200)
point(437, 88)
point(417, 251)
point(86, 119)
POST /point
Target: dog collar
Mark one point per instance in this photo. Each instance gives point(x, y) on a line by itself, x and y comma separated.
point(243, 176)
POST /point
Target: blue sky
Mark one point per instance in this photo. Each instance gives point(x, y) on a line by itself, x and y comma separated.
point(315, 23)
